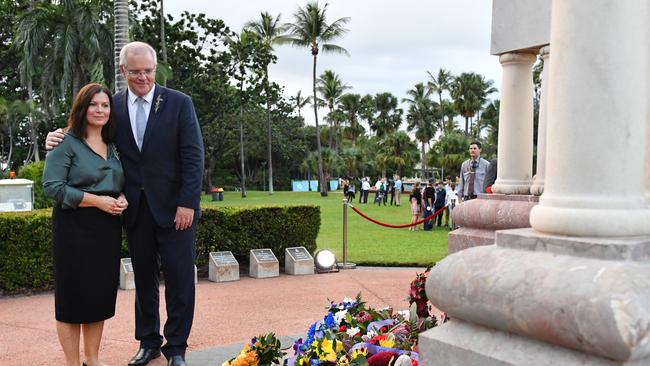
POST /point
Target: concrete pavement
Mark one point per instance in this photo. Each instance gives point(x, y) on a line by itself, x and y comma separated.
point(227, 314)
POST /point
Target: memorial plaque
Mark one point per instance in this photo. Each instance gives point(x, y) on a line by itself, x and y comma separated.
point(298, 261)
point(264, 255)
point(127, 281)
point(263, 264)
point(223, 267)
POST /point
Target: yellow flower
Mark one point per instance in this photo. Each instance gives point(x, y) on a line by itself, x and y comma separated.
point(246, 357)
point(359, 351)
point(328, 352)
point(388, 341)
point(343, 361)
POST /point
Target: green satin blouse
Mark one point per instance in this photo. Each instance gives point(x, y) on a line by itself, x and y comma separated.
point(73, 168)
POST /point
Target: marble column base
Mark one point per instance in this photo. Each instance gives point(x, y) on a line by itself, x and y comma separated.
point(480, 218)
point(590, 295)
point(464, 344)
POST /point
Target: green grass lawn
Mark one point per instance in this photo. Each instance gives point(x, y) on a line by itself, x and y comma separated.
point(368, 243)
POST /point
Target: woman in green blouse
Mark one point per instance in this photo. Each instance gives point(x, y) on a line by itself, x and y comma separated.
point(84, 175)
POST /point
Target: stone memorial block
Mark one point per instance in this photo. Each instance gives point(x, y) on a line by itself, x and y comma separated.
point(298, 261)
point(223, 267)
point(263, 264)
point(127, 281)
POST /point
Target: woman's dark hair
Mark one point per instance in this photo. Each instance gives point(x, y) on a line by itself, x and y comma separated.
point(77, 123)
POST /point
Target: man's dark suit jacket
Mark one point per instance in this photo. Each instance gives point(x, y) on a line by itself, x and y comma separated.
point(170, 166)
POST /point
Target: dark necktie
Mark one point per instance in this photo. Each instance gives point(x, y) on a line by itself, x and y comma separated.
point(470, 181)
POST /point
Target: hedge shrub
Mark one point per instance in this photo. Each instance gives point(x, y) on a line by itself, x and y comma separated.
point(26, 238)
point(34, 172)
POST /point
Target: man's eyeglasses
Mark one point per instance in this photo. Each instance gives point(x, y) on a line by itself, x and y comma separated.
point(136, 73)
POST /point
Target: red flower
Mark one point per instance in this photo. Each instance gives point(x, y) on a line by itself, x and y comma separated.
point(343, 328)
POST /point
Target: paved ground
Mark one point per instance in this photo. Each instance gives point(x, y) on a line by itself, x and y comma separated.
point(227, 314)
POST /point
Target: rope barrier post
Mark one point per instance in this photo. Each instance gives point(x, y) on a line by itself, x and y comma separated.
point(345, 264)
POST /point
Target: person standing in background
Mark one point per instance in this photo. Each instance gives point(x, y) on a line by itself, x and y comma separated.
point(472, 173)
point(398, 190)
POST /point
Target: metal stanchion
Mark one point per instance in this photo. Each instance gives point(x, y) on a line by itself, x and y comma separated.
point(345, 264)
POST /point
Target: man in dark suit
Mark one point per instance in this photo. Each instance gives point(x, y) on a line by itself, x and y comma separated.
point(161, 149)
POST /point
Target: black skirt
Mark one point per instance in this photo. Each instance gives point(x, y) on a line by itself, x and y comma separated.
point(86, 248)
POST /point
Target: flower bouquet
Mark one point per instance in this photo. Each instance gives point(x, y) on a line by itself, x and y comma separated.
point(262, 350)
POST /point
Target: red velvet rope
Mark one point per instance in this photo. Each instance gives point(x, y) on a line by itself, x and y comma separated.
point(397, 226)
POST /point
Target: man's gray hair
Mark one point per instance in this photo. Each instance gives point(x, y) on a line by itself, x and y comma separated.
point(137, 48)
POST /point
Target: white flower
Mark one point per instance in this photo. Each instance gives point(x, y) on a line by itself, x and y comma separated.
point(349, 300)
point(371, 333)
point(352, 331)
point(339, 316)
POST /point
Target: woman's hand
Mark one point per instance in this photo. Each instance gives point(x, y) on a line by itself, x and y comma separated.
point(109, 204)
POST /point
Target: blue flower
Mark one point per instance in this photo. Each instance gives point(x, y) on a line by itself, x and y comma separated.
point(310, 334)
point(329, 320)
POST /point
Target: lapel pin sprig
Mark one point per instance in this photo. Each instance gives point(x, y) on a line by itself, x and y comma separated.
point(159, 100)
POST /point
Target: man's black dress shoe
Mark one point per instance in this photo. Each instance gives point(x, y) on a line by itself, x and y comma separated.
point(144, 355)
point(176, 361)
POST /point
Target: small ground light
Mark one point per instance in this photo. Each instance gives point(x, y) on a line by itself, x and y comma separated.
point(325, 261)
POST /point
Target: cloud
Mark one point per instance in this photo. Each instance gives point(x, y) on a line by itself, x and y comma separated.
point(392, 44)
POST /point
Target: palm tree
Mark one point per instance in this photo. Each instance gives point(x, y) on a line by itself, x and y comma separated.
point(271, 32)
point(400, 151)
point(121, 37)
point(438, 84)
point(351, 106)
point(69, 40)
point(69, 44)
point(241, 48)
point(331, 88)
point(11, 113)
point(310, 29)
point(469, 91)
point(300, 102)
point(421, 117)
point(389, 117)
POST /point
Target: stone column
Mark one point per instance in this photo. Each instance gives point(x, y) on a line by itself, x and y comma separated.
point(596, 121)
point(573, 290)
point(515, 155)
point(538, 184)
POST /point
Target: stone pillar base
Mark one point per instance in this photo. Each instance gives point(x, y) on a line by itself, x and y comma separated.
point(465, 344)
point(589, 295)
point(480, 218)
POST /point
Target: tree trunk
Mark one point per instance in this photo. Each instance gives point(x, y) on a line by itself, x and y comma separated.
point(32, 125)
point(268, 129)
point(163, 42)
point(466, 125)
point(241, 139)
point(321, 177)
point(422, 159)
point(121, 38)
point(331, 129)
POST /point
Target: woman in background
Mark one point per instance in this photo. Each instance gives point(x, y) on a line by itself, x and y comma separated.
point(84, 175)
point(416, 205)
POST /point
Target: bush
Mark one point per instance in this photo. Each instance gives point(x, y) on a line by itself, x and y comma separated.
point(25, 250)
point(34, 172)
point(241, 229)
point(26, 239)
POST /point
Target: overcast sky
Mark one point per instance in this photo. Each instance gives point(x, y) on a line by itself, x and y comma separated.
point(392, 44)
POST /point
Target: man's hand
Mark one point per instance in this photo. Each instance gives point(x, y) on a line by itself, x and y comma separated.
point(184, 218)
point(53, 139)
point(122, 203)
